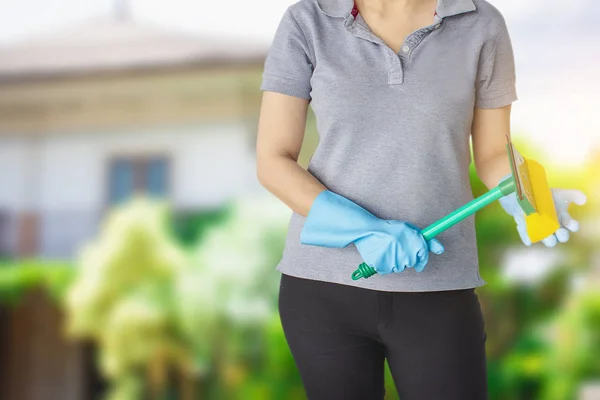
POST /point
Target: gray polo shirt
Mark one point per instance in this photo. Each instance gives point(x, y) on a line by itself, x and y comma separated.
point(394, 128)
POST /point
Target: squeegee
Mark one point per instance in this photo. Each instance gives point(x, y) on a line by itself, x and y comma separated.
point(534, 196)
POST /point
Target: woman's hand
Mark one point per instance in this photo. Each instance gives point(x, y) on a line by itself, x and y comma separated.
point(394, 246)
point(385, 245)
point(562, 199)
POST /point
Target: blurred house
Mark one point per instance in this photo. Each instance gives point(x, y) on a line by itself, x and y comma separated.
point(90, 115)
point(93, 113)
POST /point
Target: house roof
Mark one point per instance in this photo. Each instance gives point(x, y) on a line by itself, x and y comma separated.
point(106, 45)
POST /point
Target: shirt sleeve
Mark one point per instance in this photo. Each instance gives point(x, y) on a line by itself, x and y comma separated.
point(288, 67)
point(496, 82)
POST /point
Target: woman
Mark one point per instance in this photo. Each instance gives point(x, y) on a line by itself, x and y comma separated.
point(398, 87)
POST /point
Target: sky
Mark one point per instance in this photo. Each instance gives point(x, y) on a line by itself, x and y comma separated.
point(557, 50)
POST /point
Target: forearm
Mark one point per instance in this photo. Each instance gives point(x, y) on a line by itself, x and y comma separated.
point(490, 127)
point(289, 182)
point(494, 168)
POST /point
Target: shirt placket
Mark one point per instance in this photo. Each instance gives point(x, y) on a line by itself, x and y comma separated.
point(396, 62)
point(414, 40)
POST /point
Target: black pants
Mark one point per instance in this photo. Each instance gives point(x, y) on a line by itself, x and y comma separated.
point(340, 336)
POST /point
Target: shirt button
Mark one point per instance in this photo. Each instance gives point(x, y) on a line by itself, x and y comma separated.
point(405, 48)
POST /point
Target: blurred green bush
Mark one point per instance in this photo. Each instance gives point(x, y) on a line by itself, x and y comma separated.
point(19, 277)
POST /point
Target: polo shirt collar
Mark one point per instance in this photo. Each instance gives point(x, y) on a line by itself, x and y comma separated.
point(448, 8)
point(445, 8)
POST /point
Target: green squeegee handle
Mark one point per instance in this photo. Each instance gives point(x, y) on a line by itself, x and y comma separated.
point(504, 189)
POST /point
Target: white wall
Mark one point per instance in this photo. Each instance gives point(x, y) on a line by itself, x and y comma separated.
point(209, 164)
point(18, 170)
point(17, 167)
point(64, 176)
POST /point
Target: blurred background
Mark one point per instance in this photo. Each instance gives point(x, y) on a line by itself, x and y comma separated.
point(138, 251)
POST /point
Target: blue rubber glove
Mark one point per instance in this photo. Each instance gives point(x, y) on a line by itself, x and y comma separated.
point(386, 245)
point(562, 199)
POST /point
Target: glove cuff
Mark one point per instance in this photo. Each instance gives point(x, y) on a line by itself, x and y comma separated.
point(335, 221)
point(505, 178)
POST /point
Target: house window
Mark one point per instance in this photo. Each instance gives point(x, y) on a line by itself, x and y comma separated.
point(131, 175)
